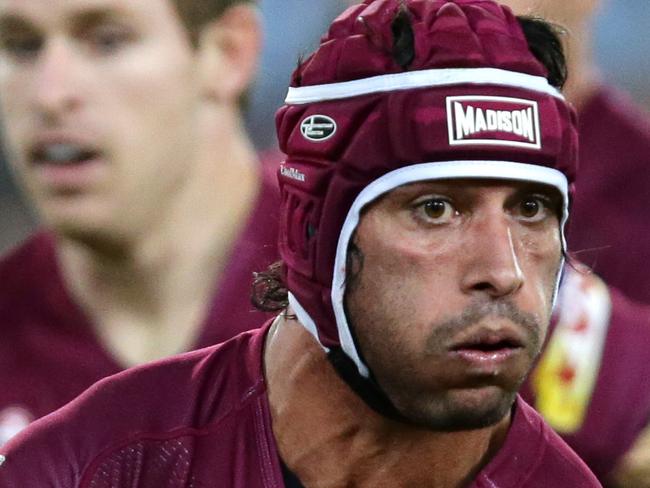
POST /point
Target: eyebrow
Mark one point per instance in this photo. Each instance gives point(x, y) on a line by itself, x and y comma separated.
point(13, 22)
point(85, 16)
point(93, 16)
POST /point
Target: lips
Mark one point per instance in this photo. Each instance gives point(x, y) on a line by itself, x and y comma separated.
point(65, 163)
point(62, 154)
point(489, 341)
point(488, 349)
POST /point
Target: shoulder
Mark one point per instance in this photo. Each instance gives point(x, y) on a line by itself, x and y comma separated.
point(558, 464)
point(191, 393)
point(33, 256)
point(534, 456)
point(26, 272)
point(611, 118)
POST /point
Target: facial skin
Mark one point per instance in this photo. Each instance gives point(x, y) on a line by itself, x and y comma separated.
point(114, 78)
point(454, 294)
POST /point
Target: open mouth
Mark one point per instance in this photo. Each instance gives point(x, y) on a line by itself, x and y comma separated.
point(487, 345)
point(488, 349)
point(62, 154)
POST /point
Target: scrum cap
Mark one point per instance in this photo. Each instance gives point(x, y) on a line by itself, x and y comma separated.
point(474, 102)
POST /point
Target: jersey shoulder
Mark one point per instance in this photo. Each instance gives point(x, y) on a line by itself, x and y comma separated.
point(31, 262)
point(534, 456)
point(189, 393)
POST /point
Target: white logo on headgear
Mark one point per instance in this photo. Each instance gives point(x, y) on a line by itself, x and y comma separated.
point(292, 173)
point(318, 127)
point(500, 121)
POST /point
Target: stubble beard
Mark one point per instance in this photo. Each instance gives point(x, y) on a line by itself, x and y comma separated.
point(440, 408)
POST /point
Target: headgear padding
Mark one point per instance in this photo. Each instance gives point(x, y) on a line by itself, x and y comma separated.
point(474, 103)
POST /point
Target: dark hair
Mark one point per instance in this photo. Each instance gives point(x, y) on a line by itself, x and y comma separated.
point(196, 14)
point(269, 291)
point(545, 44)
point(543, 41)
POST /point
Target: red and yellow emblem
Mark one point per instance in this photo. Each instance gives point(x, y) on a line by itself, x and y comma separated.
point(565, 377)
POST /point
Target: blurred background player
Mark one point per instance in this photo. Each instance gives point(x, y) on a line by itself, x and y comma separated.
point(122, 121)
point(592, 383)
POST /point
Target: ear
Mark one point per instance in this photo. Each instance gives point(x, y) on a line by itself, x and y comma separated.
point(228, 50)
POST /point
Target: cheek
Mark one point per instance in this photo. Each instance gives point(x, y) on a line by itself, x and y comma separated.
point(541, 259)
point(402, 288)
point(13, 105)
point(155, 119)
point(153, 86)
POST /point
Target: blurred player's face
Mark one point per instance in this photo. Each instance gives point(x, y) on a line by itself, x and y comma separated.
point(561, 11)
point(454, 295)
point(100, 103)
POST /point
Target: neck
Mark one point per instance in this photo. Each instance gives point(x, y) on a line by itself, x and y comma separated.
point(348, 443)
point(584, 76)
point(147, 294)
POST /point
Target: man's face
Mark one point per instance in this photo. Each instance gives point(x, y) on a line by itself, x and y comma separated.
point(99, 102)
point(454, 295)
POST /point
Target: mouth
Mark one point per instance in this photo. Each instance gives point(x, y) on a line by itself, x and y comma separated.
point(488, 348)
point(63, 154)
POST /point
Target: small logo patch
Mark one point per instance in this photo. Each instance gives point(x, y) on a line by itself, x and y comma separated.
point(2, 459)
point(498, 121)
point(318, 128)
point(292, 173)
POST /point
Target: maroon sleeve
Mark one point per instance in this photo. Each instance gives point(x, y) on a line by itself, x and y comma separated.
point(161, 424)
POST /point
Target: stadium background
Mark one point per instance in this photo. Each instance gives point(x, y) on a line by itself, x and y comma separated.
point(621, 43)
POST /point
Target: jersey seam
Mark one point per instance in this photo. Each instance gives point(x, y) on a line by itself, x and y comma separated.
point(246, 399)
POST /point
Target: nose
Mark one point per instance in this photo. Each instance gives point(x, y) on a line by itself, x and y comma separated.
point(492, 265)
point(55, 92)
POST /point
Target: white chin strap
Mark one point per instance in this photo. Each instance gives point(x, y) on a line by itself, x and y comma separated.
point(502, 170)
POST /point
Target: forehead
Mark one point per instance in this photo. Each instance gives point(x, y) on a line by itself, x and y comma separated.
point(51, 12)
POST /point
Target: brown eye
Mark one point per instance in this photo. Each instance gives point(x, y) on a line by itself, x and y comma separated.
point(534, 209)
point(108, 38)
point(21, 47)
point(435, 210)
point(530, 208)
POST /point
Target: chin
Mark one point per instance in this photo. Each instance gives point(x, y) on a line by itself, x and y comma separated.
point(460, 410)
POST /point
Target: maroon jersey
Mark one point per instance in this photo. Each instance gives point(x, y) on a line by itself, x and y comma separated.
point(610, 215)
point(202, 419)
point(592, 383)
point(49, 352)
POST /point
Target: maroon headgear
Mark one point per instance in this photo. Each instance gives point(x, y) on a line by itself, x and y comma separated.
point(474, 103)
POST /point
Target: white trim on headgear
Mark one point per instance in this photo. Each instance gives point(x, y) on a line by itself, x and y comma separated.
point(420, 79)
point(304, 318)
point(505, 170)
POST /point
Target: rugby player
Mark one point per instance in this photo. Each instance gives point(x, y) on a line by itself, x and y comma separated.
point(430, 164)
point(123, 122)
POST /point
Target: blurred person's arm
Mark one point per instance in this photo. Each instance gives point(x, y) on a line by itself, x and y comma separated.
point(634, 469)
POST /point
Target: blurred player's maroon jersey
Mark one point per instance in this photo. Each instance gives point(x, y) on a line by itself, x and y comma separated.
point(610, 215)
point(49, 352)
point(592, 383)
point(202, 419)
